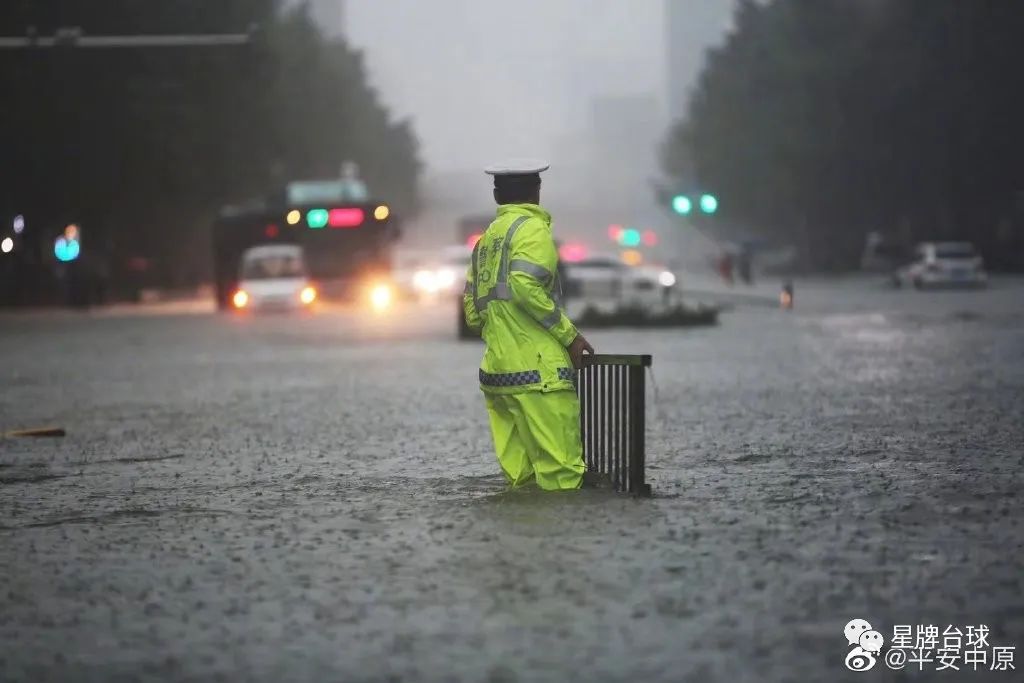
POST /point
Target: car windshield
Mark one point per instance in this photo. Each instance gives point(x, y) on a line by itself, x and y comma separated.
point(270, 267)
point(954, 251)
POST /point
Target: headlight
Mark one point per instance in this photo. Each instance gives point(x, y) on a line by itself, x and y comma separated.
point(380, 297)
point(307, 295)
point(666, 278)
point(445, 278)
point(424, 281)
point(240, 299)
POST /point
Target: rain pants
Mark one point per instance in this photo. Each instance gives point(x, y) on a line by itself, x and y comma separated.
point(526, 373)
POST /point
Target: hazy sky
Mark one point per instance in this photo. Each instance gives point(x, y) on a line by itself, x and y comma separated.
point(489, 78)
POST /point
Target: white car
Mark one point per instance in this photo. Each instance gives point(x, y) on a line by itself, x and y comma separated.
point(273, 277)
point(450, 275)
point(433, 275)
point(609, 285)
point(595, 278)
point(939, 264)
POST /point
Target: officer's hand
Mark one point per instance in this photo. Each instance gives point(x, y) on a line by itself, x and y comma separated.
point(576, 349)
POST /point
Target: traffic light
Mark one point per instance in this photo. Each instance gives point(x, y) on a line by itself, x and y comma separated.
point(630, 237)
point(682, 205)
point(66, 250)
point(708, 203)
point(631, 257)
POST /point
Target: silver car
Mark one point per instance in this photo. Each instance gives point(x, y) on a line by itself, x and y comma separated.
point(943, 264)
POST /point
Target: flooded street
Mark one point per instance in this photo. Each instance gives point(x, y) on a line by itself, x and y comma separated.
point(316, 498)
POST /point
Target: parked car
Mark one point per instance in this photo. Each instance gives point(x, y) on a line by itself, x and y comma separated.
point(943, 264)
point(608, 284)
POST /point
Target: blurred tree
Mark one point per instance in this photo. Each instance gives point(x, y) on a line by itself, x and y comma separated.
point(819, 120)
point(143, 145)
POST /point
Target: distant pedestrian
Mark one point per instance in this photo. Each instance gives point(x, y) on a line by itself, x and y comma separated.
point(786, 295)
point(725, 267)
point(744, 264)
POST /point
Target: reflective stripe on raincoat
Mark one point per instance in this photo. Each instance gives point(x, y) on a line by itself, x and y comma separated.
point(511, 296)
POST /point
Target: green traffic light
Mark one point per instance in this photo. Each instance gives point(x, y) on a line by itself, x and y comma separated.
point(629, 237)
point(708, 203)
point(317, 218)
point(682, 205)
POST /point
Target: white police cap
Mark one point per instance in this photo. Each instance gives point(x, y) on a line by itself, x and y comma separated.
point(517, 167)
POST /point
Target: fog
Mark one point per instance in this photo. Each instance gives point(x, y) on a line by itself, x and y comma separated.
point(582, 83)
point(483, 79)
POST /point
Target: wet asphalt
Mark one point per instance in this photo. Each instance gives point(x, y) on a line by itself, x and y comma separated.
point(315, 498)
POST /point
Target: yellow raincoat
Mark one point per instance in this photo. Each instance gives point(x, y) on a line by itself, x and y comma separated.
point(526, 373)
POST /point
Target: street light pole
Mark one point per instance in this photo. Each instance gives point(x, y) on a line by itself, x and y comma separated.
point(74, 37)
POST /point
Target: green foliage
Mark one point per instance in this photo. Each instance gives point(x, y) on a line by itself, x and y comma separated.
point(143, 146)
point(819, 120)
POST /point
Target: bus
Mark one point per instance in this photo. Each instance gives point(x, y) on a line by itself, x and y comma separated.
point(346, 237)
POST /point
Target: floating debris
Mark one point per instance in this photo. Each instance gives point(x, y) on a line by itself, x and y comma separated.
point(38, 431)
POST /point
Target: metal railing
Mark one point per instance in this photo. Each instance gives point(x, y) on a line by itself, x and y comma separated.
point(612, 419)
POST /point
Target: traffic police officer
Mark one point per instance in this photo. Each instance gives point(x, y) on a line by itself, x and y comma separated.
point(527, 373)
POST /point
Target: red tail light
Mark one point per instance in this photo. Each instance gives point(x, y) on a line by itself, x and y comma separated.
point(345, 218)
point(572, 252)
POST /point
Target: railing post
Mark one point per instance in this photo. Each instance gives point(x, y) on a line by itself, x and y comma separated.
point(612, 419)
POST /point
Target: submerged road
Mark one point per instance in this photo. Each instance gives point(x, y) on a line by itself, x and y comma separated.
point(315, 498)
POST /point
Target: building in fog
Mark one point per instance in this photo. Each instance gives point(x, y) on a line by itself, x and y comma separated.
point(624, 129)
point(330, 14)
point(691, 27)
